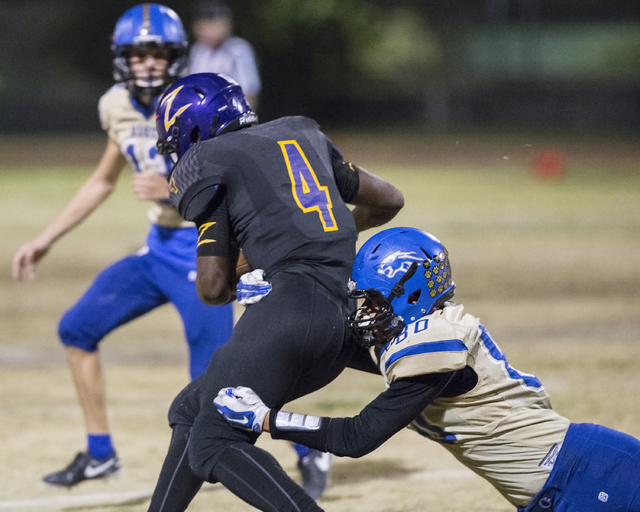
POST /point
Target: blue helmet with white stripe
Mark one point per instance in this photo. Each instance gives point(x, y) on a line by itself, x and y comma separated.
point(409, 267)
point(149, 27)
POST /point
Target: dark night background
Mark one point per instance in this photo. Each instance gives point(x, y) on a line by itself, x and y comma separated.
point(566, 65)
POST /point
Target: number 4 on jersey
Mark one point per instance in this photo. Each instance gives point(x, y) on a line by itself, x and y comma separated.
point(307, 191)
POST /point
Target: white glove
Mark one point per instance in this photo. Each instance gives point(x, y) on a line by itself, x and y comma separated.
point(242, 408)
point(252, 287)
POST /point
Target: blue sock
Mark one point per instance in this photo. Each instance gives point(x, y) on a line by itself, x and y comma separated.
point(100, 446)
point(301, 450)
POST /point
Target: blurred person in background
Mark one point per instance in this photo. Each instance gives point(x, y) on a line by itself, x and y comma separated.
point(217, 50)
point(150, 52)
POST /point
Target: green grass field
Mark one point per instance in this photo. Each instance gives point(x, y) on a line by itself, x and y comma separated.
point(551, 266)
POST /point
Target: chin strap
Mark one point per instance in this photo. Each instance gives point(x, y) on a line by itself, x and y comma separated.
point(398, 288)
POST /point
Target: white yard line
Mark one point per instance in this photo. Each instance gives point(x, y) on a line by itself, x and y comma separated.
point(132, 497)
point(107, 498)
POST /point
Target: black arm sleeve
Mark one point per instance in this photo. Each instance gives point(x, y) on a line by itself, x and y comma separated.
point(361, 360)
point(215, 237)
point(386, 415)
point(201, 199)
point(346, 174)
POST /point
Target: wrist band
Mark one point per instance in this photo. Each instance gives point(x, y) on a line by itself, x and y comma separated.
point(293, 421)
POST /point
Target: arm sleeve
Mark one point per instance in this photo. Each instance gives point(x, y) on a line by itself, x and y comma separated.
point(346, 174)
point(215, 237)
point(201, 200)
point(386, 415)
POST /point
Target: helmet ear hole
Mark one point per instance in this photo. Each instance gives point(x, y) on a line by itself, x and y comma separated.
point(194, 136)
point(414, 297)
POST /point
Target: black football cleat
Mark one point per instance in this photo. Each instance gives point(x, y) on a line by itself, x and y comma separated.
point(84, 467)
point(314, 467)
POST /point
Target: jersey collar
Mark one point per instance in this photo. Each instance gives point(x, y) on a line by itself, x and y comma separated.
point(146, 111)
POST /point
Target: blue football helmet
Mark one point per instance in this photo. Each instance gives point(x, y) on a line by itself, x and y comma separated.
point(199, 107)
point(399, 272)
point(148, 27)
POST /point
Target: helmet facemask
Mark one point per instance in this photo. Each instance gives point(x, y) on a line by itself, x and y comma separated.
point(374, 323)
point(146, 90)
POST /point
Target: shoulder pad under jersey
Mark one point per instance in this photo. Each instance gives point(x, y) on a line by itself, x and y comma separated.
point(431, 344)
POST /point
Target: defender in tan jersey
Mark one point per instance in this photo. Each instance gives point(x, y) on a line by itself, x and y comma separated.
point(450, 382)
point(507, 415)
point(149, 47)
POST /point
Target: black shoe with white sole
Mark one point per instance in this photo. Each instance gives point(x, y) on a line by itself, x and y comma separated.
point(84, 467)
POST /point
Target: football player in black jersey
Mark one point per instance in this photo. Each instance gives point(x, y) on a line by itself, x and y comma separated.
point(279, 192)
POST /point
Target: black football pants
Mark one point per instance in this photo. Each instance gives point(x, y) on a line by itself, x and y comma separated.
point(290, 344)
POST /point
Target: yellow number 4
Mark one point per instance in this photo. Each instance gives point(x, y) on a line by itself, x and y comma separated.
point(308, 193)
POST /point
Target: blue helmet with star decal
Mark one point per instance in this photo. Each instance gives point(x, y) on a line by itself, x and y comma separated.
point(199, 107)
point(411, 258)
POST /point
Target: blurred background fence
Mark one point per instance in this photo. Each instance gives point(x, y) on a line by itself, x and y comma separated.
point(566, 65)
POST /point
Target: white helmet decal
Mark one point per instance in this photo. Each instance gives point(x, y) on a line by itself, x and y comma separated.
point(399, 261)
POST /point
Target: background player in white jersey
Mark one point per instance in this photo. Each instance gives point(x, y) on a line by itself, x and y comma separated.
point(149, 46)
point(217, 50)
point(450, 382)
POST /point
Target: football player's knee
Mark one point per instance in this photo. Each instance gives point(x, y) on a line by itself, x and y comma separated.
point(203, 459)
point(72, 335)
point(201, 466)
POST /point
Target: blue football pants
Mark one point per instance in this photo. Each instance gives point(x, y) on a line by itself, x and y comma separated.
point(134, 286)
point(598, 470)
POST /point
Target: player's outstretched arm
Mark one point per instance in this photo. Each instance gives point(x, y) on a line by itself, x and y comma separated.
point(386, 415)
point(377, 201)
point(89, 196)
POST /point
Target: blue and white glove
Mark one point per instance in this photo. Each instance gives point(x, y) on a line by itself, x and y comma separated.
point(252, 287)
point(242, 408)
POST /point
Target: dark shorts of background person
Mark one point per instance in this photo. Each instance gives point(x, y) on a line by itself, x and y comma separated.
point(597, 470)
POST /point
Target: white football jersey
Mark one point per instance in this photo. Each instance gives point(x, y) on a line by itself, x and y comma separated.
point(136, 134)
point(503, 428)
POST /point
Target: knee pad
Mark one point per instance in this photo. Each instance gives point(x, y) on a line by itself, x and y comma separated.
point(72, 335)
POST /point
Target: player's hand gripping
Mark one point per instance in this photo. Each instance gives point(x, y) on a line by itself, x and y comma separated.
point(252, 287)
point(242, 408)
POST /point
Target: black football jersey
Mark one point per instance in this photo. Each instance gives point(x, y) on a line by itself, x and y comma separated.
point(285, 208)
